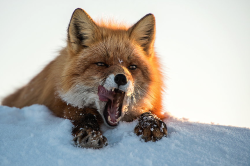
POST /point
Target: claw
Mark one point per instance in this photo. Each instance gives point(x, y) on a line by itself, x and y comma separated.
point(150, 127)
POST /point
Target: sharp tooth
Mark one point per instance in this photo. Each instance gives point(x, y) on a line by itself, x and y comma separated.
point(118, 119)
point(109, 118)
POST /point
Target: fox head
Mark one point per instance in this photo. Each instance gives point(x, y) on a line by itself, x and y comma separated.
point(112, 68)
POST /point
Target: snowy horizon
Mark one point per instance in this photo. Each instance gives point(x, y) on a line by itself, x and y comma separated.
point(32, 136)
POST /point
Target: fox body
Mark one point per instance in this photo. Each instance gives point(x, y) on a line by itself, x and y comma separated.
point(105, 74)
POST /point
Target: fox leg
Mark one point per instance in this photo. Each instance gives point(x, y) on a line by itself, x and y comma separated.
point(87, 133)
point(150, 127)
point(86, 130)
point(86, 124)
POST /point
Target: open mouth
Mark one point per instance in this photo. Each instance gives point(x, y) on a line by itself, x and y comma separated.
point(113, 108)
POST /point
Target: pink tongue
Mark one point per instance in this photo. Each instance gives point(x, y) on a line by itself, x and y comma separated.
point(104, 94)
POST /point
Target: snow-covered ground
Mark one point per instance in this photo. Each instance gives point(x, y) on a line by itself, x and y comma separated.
point(32, 136)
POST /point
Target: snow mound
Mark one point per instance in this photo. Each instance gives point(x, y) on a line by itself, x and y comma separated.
point(33, 136)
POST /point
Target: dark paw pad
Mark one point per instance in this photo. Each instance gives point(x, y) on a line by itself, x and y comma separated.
point(150, 127)
point(89, 138)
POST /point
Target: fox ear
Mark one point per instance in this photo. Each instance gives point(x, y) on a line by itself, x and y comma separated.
point(81, 31)
point(143, 32)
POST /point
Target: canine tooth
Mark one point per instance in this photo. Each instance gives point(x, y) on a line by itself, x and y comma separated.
point(109, 118)
point(118, 119)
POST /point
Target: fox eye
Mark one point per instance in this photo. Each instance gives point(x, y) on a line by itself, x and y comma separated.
point(132, 67)
point(101, 64)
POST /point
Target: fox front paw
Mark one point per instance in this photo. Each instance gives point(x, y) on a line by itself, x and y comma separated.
point(89, 138)
point(150, 127)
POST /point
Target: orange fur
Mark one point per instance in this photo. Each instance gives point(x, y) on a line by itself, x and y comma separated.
point(88, 43)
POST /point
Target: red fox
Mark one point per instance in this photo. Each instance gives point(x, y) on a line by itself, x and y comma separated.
point(107, 73)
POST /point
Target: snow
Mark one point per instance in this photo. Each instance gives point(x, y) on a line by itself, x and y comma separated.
point(33, 136)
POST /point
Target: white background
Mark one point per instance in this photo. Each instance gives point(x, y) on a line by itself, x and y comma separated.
point(204, 48)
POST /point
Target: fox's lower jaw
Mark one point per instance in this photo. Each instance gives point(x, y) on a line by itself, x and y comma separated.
point(113, 110)
point(111, 119)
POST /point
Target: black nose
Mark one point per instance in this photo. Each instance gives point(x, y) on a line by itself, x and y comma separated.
point(120, 79)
